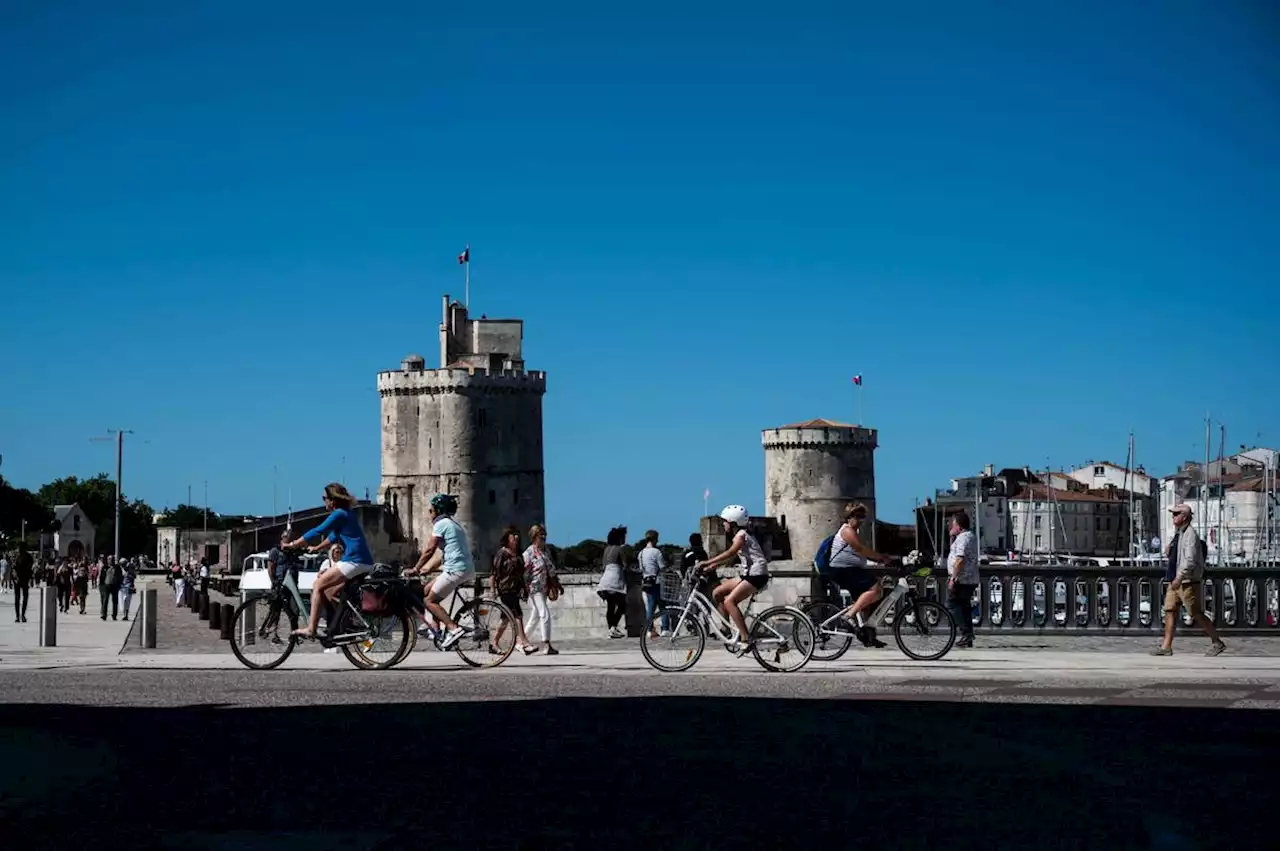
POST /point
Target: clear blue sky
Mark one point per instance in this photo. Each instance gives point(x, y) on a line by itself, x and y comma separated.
point(1028, 226)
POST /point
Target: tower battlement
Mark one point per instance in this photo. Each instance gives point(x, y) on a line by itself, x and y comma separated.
point(818, 432)
point(460, 379)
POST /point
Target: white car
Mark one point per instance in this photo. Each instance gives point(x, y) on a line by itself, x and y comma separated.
point(255, 577)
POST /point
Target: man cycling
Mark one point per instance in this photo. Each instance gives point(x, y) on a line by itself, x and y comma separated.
point(447, 548)
point(849, 557)
point(282, 566)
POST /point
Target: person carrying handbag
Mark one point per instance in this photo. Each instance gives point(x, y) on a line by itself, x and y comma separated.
point(542, 585)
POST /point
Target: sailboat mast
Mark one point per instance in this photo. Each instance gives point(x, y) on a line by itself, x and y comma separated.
point(1222, 493)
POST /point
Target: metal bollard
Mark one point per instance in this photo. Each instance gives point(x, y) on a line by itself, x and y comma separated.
point(215, 616)
point(150, 602)
point(202, 606)
point(228, 615)
point(48, 616)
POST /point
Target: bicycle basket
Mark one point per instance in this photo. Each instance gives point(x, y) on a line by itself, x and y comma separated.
point(673, 589)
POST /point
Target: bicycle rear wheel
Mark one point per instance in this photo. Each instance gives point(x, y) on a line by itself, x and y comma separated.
point(925, 632)
point(386, 644)
point(782, 639)
point(832, 642)
point(490, 635)
point(262, 633)
point(678, 651)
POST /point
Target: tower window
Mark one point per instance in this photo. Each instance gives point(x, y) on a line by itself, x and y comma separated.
point(493, 497)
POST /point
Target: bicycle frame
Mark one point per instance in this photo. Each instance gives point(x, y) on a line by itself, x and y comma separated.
point(902, 588)
point(723, 628)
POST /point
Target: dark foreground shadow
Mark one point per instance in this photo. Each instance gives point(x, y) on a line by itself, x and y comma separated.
point(638, 772)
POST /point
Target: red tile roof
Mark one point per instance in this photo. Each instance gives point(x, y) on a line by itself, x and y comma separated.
point(819, 423)
point(1046, 494)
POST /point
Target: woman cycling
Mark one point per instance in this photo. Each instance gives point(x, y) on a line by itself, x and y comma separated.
point(341, 526)
point(448, 546)
point(753, 569)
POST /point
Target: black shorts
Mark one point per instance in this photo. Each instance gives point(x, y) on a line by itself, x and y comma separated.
point(759, 582)
point(512, 602)
point(855, 580)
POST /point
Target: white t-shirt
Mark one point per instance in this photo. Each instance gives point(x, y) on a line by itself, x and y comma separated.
point(457, 552)
point(751, 560)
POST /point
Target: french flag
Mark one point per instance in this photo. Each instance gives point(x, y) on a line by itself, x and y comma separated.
point(465, 256)
point(857, 381)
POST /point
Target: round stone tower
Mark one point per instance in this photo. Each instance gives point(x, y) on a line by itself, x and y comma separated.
point(811, 470)
point(472, 428)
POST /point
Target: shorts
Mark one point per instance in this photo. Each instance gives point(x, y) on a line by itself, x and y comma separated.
point(350, 570)
point(855, 580)
point(758, 582)
point(1188, 593)
point(511, 600)
point(446, 583)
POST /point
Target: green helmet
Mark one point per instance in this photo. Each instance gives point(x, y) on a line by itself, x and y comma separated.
point(445, 503)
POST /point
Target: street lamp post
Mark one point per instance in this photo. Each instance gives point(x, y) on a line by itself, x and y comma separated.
point(119, 433)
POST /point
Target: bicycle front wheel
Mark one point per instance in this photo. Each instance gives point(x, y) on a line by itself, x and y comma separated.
point(682, 648)
point(782, 639)
point(925, 631)
point(830, 642)
point(490, 633)
point(262, 633)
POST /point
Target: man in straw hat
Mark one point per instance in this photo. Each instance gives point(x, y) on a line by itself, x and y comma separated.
point(1184, 571)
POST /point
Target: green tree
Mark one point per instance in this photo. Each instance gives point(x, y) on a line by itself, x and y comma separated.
point(192, 517)
point(19, 504)
point(96, 496)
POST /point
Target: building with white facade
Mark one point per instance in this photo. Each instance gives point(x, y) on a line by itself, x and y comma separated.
point(1236, 512)
point(73, 535)
point(1079, 521)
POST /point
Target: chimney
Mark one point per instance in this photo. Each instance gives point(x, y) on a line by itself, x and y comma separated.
point(989, 470)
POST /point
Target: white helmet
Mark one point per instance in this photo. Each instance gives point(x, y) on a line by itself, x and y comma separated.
point(735, 514)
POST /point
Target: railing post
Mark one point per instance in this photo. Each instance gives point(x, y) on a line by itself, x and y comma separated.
point(48, 616)
point(228, 616)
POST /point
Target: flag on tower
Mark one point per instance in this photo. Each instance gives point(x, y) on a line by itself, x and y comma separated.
point(706, 494)
point(857, 380)
point(465, 256)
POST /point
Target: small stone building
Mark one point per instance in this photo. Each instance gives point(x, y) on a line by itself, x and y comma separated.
point(73, 535)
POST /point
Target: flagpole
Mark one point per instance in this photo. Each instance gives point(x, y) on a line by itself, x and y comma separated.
point(466, 271)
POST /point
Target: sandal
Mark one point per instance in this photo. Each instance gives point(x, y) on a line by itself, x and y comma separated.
point(528, 650)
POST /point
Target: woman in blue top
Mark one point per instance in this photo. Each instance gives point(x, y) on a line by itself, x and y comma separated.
point(343, 526)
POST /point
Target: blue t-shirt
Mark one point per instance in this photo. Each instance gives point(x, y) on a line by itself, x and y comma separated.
point(457, 552)
point(343, 524)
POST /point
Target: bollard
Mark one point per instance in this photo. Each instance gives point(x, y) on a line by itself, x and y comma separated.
point(202, 606)
point(228, 615)
point(215, 616)
point(150, 601)
point(194, 603)
point(48, 616)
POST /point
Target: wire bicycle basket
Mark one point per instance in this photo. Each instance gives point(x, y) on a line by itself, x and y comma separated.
point(673, 588)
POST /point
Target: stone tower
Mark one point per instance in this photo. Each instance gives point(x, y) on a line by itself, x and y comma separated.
point(811, 470)
point(472, 428)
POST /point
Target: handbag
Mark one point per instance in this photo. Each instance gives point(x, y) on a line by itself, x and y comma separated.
point(554, 588)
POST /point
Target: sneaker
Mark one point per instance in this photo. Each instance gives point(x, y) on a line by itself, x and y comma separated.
point(1216, 649)
point(453, 637)
point(331, 650)
point(551, 651)
point(1162, 651)
point(616, 633)
point(965, 642)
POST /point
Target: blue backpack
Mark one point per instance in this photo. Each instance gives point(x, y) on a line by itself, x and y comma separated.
point(822, 558)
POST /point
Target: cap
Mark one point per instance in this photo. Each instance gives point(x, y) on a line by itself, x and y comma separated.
point(1180, 508)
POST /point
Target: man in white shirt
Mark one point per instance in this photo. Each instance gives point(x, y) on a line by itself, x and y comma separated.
point(962, 576)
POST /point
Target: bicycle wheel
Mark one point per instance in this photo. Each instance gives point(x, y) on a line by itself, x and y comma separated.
point(384, 646)
point(262, 633)
point(832, 642)
point(782, 639)
point(490, 635)
point(929, 624)
point(678, 651)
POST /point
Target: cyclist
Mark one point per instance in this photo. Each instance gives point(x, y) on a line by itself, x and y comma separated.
point(283, 569)
point(341, 526)
point(448, 548)
point(849, 557)
point(753, 570)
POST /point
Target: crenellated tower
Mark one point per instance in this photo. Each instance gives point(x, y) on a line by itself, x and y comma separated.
point(472, 428)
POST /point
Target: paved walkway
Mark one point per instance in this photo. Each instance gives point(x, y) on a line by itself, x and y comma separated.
point(81, 638)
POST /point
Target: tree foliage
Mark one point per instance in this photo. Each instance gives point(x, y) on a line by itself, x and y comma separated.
point(193, 517)
point(96, 497)
point(19, 504)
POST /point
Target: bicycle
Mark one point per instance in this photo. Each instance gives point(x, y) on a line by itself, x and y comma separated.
point(480, 618)
point(776, 631)
point(911, 617)
point(258, 623)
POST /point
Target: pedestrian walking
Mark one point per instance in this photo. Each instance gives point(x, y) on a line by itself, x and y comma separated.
point(962, 576)
point(179, 585)
point(126, 589)
point(506, 580)
point(109, 588)
point(1184, 570)
point(62, 580)
point(652, 564)
point(5, 581)
point(23, 567)
point(540, 578)
point(80, 585)
point(205, 573)
point(613, 582)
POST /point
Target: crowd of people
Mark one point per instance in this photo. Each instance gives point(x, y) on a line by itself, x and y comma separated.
point(74, 580)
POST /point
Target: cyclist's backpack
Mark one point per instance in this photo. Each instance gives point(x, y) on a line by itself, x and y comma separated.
point(822, 558)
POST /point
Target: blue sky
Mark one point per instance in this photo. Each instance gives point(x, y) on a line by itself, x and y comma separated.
point(1028, 228)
